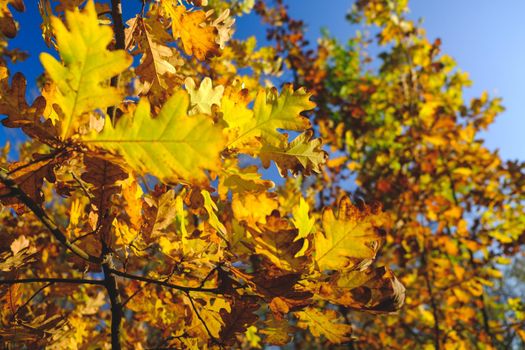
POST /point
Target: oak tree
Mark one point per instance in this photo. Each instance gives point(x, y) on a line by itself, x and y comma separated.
point(138, 216)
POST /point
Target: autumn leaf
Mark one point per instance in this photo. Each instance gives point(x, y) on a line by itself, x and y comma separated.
point(324, 323)
point(104, 177)
point(277, 332)
point(19, 114)
point(271, 112)
point(241, 180)
point(211, 209)
point(374, 290)
point(158, 62)
point(276, 241)
point(7, 24)
point(349, 240)
point(30, 177)
point(238, 319)
point(205, 96)
point(87, 65)
point(173, 146)
point(191, 27)
point(302, 155)
point(304, 223)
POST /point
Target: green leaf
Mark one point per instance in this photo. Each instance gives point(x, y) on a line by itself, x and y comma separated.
point(301, 155)
point(87, 65)
point(270, 113)
point(349, 240)
point(173, 146)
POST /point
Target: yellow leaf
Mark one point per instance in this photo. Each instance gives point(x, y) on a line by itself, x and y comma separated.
point(270, 113)
point(243, 207)
point(203, 98)
point(198, 37)
point(462, 171)
point(304, 223)
point(211, 208)
point(302, 155)
point(323, 323)
point(276, 240)
point(241, 180)
point(277, 332)
point(19, 244)
point(172, 146)
point(350, 239)
point(87, 65)
point(253, 339)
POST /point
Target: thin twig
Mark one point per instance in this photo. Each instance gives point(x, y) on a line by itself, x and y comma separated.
point(134, 294)
point(201, 319)
point(30, 298)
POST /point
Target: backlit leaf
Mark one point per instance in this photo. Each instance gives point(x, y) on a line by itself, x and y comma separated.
point(85, 68)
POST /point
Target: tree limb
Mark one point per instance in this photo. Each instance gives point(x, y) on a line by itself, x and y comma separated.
point(164, 283)
point(45, 219)
point(52, 280)
point(116, 307)
point(120, 44)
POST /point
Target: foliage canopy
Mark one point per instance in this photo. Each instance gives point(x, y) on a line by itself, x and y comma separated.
point(139, 215)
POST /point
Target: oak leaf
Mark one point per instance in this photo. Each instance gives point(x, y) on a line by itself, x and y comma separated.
point(276, 241)
point(157, 64)
point(271, 112)
point(302, 155)
point(197, 36)
point(203, 97)
point(323, 322)
point(173, 146)
point(87, 65)
point(350, 240)
point(19, 114)
point(241, 180)
point(374, 290)
point(239, 318)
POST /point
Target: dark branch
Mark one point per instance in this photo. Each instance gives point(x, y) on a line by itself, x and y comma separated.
point(45, 219)
point(116, 307)
point(201, 319)
point(30, 298)
point(165, 283)
point(120, 44)
point(52, 280)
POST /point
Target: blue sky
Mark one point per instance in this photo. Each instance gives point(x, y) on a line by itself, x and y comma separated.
point(487, 38)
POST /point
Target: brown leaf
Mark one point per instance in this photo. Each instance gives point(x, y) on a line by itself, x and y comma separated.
point(20, 115)
point(375, 290)
point(103, 175)
point(30, 178)
point(239, 319)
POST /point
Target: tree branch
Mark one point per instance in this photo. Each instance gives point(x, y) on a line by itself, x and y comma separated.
point(45, 219)
point(120, 44)
point(437, 334)
point(29, 300)
point(164, 283)
point(116, 307)
point(201, 319)
point(52, 280)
